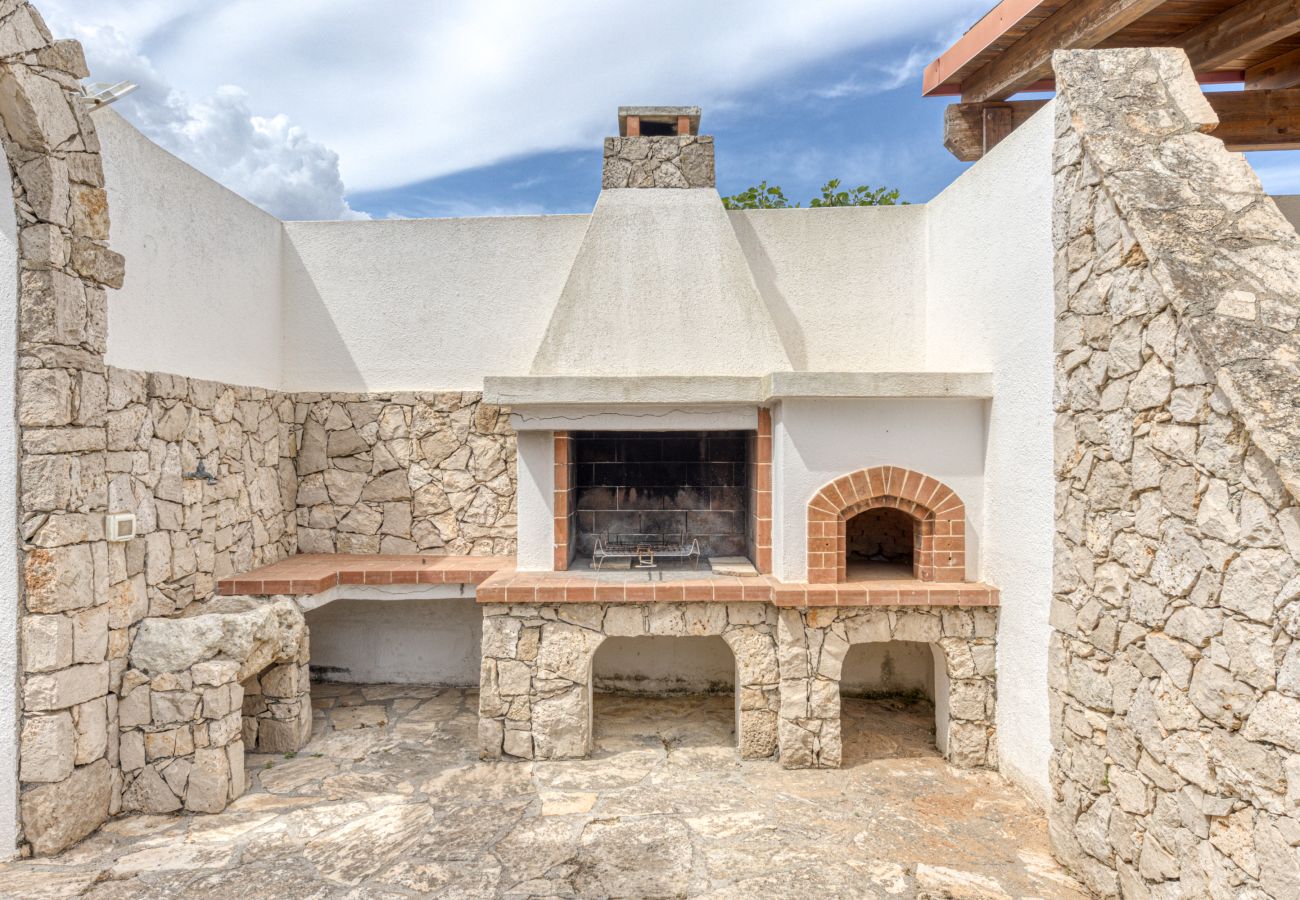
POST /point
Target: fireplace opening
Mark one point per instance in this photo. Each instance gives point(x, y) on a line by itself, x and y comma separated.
point(683, 496)
point(880, 543)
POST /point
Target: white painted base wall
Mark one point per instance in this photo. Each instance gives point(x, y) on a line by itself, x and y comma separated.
point(990, 308)
point(896, 666)
point(664, 664)
point(8, 531)
point(399, 641)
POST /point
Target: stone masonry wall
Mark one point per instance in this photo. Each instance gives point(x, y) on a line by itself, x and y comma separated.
point(191, 533)
point(68, 666)
point(404, 473)
point(677, 161)
point(1175, 657)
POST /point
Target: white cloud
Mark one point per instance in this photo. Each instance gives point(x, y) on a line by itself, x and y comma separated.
point(268, 160)
point(406, 92)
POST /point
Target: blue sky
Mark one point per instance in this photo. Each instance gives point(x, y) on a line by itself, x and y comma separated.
point(796, 131)
point(334, 109)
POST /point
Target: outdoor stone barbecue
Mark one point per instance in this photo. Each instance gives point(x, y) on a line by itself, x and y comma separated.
point(393, 457)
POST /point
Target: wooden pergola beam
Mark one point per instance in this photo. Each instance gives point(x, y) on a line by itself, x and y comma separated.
point(972, 129)
point(1279, 72)
point(1248, 120)
point(1080, 24)
point(1239, 30)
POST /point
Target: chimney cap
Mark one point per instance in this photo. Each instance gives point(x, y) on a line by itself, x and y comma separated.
point(667, 115)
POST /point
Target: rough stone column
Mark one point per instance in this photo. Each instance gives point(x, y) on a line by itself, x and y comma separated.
point(1175, 657)
point(72, 650)
point(814, 642)
point(535, 685)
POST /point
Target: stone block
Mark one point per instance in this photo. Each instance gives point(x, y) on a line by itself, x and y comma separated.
point(65, 688)
point(44, 398)
point(56, 816)
point(91, 721)
point(172, 707)
point(47, 643)
point(90, 635)
point(59, 578)
point(208, 788)
point(282, 681)
point(47, 748)
point(149, 793)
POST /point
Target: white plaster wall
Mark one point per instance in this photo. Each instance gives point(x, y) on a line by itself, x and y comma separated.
point(202, 290)
point(817, 441)
point(845, 286)
point(428, 304)
point(990, 295)
point(9, 588)
point(535, 500)
point(888, 666)
point(664, 664)
point(399, 641)
point(660, 287)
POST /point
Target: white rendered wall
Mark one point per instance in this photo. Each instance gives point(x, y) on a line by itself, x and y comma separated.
point(202, 290)
point(845, 286)
point(660, 287)
point(535, 501)
point(888, 666)
point(664, 664)
point(8, 531)
point(991, 309)
point(817, 441)
point(420, 304)
point(397, 641)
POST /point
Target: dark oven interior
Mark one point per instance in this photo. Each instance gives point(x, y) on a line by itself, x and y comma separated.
point(690, 483)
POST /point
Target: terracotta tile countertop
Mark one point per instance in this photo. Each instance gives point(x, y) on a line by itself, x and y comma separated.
point(576, 587)
point(498, 582)
point(311, 573)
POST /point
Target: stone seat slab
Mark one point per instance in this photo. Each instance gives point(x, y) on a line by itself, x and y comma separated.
point(312, 573)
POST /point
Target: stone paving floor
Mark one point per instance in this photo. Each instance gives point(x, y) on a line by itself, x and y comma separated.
point(388, 801)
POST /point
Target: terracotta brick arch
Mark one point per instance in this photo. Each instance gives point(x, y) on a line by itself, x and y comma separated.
point(939, 548)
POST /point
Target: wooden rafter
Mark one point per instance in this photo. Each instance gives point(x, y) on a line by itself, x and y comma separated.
point(1279, 72)
point(1248, 120)
point(1239, 30)
point(1080, 24)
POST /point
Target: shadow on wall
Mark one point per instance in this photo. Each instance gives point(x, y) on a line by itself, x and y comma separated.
point(788, 328)
point(664, 665)
point(316, 325)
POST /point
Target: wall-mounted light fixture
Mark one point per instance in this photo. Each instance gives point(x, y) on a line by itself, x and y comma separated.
point(100, 94)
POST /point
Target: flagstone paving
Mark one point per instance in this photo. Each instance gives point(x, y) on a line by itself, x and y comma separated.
point(389, 800)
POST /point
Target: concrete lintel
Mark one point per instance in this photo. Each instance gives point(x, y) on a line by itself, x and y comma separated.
point(644, 417)
point(792, 385)
point(581, 390)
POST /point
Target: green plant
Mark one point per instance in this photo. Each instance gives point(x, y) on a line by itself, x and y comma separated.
point(759, 197)
point(762, 196)
point(862, 195)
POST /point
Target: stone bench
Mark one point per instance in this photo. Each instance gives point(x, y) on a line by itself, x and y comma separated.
point(201, 688)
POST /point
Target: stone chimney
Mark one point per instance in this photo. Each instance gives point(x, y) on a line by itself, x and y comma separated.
point(658, 147)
